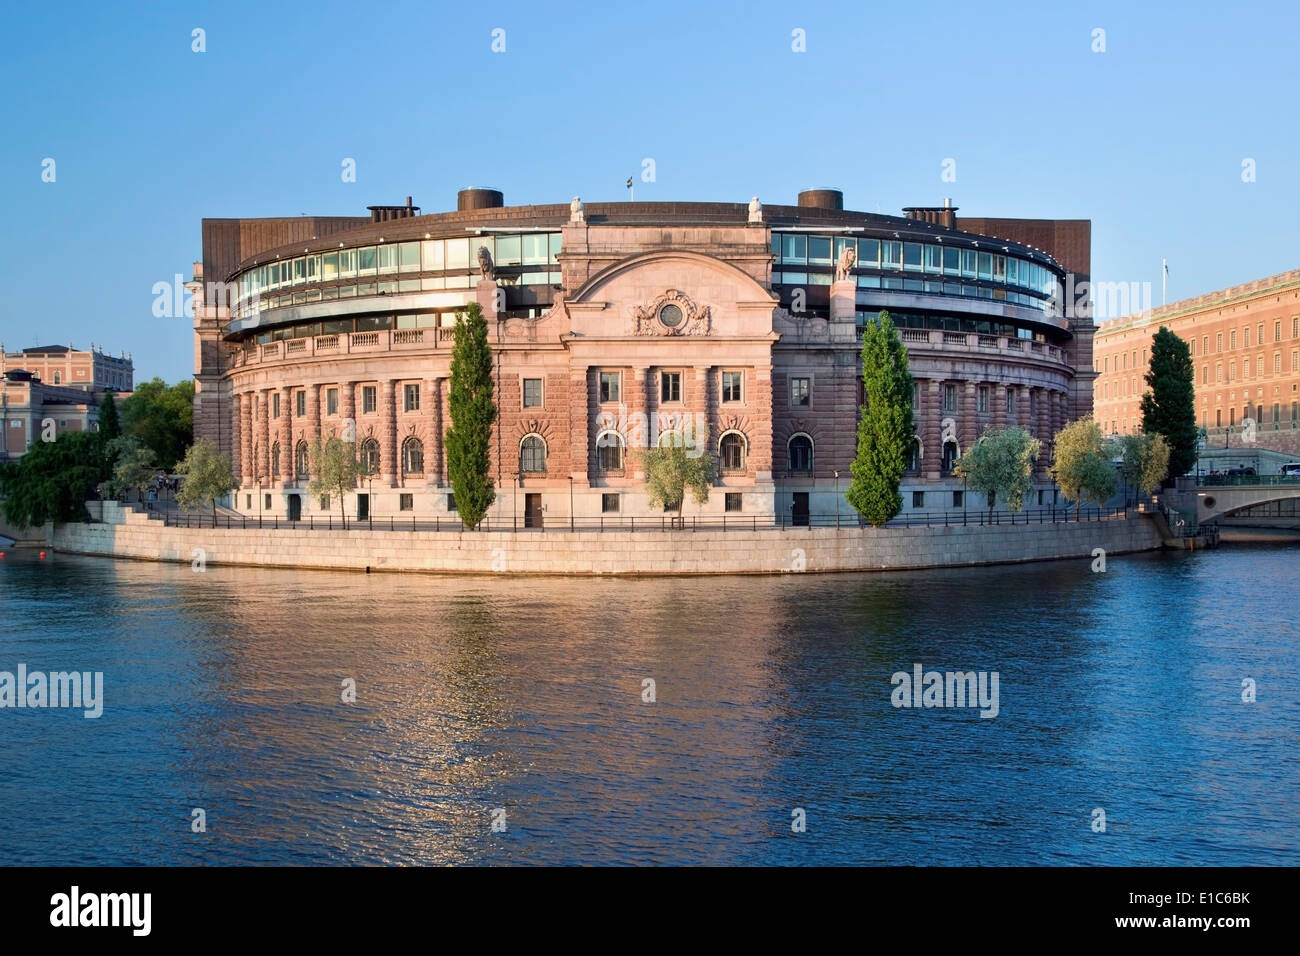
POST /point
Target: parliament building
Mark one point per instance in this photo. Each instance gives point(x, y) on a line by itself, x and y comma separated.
point(612, 323)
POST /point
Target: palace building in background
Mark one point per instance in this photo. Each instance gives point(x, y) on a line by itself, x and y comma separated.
point(55, 384)
point(742, 318)
point(1245, 347)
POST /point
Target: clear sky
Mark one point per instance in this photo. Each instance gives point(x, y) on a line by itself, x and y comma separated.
point(1146, 139)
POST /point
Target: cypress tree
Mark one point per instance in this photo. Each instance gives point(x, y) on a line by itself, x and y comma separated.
point(473, 413)
point(1169, 408)
point(885, 430)
point(109, 427)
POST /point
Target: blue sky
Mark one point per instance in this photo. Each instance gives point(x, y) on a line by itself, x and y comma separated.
point(1146, 139)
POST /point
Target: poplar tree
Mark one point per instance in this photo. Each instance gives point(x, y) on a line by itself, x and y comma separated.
point(885, 430)
point(473, 413)
point(1169, 408)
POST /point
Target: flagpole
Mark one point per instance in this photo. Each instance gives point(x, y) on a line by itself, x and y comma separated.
point(1164, 278)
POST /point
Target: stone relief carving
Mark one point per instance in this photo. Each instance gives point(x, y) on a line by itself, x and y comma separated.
point(659, 317)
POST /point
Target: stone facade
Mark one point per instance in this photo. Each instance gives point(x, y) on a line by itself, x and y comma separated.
point(130, 534)
point(630, 320)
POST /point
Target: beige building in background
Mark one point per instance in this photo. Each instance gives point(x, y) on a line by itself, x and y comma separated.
point(51, 389)
point(1245, 349)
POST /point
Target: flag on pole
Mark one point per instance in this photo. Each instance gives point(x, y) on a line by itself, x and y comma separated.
point(629, 182)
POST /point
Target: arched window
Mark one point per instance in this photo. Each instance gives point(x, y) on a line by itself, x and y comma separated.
point(369, 457)
point(731, 449)
point(412, 457)
point(950, 455)
point(532, 454)
point(800, 450)
point(609, 451)
point(275, 460)
point(300, 460)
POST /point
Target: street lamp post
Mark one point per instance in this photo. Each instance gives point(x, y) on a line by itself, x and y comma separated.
point(370, 500)
point(571, 502)
point(837, 498)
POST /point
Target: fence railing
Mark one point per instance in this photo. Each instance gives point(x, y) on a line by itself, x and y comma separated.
point(659, 523)
point(1220, 480)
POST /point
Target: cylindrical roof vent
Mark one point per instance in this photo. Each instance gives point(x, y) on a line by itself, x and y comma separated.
point(821, 199)
point(473, 198)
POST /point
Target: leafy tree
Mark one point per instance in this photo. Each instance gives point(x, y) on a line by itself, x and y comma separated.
point(162, 417)
point(134, 465)
point(1169, 408)
point(472, 414)
point(1080, 464)
point(885, 429)
point(338, 469)
point(671, 470)
point(52, 481)
point(1000, 465)
point(109, 427)
point(1145, 460)
point(207, 476)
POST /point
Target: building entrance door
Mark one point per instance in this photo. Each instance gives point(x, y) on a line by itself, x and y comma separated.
point(363, 507)
point(532, 510)
point(295, 507)
point(799, 509)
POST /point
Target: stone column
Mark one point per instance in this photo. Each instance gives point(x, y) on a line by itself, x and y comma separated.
point(286, 435)
point(1042, 423)
point(313, 426)
point(580, 418)
point(389, 467)
point(760, 439)
point(348, 406)
point(641, 431)
point(930, 435)
point(433, 459)
point(264, 437)
point(999, 405)
point(969, 419)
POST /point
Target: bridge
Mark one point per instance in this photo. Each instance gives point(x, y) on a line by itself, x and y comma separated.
point(1212, 499)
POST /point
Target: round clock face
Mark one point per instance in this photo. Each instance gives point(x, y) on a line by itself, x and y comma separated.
point(671, 316)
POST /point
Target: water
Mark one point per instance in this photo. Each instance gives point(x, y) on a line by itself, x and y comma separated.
point(1120, 691)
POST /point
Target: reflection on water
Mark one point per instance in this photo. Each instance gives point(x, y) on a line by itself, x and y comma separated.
point(223, 691)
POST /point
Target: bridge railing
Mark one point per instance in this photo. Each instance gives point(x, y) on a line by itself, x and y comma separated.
point(1205, 481)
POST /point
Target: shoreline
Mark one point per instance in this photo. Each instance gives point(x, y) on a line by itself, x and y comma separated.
point(800, 550)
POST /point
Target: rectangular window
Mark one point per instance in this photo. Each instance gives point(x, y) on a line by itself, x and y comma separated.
point(451, 502)
point(1011, 401)
point(367, 398)
point(891, 255)
point(406, 502)
point(794, 248)
point(248, 502)
point(670, 386)
point(1246, 337)
point(957, 499)
point(300, 404)
point(387, 259)
point(1205, 375)
point(912, 256)
point(819, 250)
point(983, 399)
point(331, 401)
point(733, 501)
point(1277, 413)
point(532, 393)
point(1277, 363)
point(1218, 342)
point(731, 386)
point(1232, 340)
point(918, 499)
point(950, 398)
point(411, 398)
point(800, 392)
point(609, 386)
point(609, 504)
point(266, 503)
point(275, 405)
point(324, 502)
point(951, 262)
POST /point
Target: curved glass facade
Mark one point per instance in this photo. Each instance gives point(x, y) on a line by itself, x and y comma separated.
point(527, 258)
point(808, 259)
